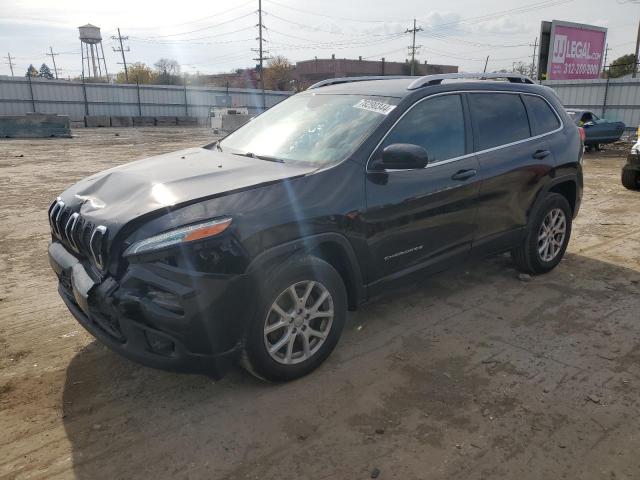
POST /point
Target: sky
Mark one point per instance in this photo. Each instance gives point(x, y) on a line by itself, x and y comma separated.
point(216, 36)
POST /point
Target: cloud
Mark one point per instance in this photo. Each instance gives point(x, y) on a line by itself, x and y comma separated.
point(502, 25)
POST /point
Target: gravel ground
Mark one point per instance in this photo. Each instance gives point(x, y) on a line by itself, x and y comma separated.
point(472, 374)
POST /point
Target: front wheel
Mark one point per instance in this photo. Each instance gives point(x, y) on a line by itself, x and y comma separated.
point(547, 236)
point(301, 312)
point(631, 179)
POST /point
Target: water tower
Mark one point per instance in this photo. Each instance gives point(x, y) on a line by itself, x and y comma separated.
point(90, 40)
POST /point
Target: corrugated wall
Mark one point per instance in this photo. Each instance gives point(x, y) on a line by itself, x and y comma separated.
point(77, 100)
point(51, 96)
point(622, 97)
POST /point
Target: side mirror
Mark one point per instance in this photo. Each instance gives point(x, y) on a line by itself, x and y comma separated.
point(402, 156)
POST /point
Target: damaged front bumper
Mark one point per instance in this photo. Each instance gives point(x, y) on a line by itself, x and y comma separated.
point(156, 314)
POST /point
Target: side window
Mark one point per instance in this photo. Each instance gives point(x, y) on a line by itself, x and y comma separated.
point(500, 118)
point(544, 120)
point(436, 124)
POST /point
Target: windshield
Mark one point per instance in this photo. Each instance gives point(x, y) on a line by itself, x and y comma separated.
point(310, 128)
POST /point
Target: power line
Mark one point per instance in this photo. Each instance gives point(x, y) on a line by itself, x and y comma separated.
point(333, 17)
point(491, 16)
point(335, 45)
point(413, 47)
point(178, 41)
point(307, 27)
point(237, 7)
point(122, 50)
point(365, 38)
point(203, 28)
point(53, 59)
point(444, 37)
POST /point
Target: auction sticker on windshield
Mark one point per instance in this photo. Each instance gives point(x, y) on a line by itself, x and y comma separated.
point(374, 106)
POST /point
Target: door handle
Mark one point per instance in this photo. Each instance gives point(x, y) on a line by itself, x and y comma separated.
point(464, 174)
point(540, 154)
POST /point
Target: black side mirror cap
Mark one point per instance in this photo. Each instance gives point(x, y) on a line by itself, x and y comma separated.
point(402, 156)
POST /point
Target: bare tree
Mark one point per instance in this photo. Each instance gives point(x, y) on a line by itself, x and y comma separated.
point(522, 68)
point(167, 71)
point(278, 73)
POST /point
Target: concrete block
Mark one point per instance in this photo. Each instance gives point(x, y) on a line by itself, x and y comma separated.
point(121, 121)
point(34, 125)
point(187, 121)
point(97, 121)
point(144, 121)
point(166, 121)
point(233, 122)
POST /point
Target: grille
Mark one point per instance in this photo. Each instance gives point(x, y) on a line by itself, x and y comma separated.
point(77, 233)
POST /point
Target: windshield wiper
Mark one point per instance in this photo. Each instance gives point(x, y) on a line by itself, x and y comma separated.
point(261, 157)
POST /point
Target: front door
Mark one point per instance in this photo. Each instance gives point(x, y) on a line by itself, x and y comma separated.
point(422, 217)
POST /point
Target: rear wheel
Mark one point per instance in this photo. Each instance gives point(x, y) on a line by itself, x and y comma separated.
point(301, 314)
point(631, 179)
point(547, 236)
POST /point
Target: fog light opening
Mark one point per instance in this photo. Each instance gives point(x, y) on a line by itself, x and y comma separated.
point(159, 344)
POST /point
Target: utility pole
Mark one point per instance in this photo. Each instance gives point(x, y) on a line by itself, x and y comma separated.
point(485, 64)
point(261, 54)
point(120, 38)
point(413, 46)
point(53, 59)
point(606, 55)
point(533, 58)
point(10, 62)
point(637, 58)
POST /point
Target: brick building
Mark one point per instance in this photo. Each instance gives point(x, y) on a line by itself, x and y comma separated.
point(311, 71)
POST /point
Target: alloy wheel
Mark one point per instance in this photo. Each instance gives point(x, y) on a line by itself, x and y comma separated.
point(298, 322)
point(552, 234)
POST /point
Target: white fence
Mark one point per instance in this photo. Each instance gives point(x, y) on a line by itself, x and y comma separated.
point(19, 95)
point(616, 99)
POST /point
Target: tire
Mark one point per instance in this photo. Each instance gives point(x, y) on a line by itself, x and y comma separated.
point(528, 257)
point(631, 179)
point(275, 311)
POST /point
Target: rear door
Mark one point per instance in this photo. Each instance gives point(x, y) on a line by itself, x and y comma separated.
point(513, 162)
point(420, 217)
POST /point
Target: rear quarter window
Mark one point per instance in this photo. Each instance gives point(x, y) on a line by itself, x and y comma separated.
point(500, 118)
point(544, 120)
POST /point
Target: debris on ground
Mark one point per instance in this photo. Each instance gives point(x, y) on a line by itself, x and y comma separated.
point(593, 398)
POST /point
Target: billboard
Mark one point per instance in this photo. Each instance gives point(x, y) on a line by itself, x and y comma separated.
point(570, 51)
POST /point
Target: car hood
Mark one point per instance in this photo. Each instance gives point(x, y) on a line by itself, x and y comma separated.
point(120, 194)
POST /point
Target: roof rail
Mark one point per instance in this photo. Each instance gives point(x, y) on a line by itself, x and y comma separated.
point(335, 81)
point(437, 79)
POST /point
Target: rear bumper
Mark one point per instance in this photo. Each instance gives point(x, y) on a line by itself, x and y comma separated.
point(200, 331)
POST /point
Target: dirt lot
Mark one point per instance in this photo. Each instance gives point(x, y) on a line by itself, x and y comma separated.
point(471, 374)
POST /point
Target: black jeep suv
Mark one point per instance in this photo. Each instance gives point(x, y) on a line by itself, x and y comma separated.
point(254, 247)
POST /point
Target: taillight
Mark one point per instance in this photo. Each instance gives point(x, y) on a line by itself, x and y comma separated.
point(583, 135)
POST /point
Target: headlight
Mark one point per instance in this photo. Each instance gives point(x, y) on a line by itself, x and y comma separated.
point(179, 236)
